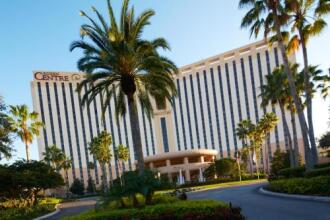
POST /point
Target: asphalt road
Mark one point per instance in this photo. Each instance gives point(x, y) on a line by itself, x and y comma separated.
point(74, 208)
point(256, 206)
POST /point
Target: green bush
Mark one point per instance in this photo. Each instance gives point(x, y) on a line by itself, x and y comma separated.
point(292, 172)
point(318, 172)
point(77, 187)
point(306, 186)
point(322, 165)
point(202, 210)
point(26, 212)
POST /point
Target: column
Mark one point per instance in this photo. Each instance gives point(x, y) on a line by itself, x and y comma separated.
point(168, 164)
point(187, 171)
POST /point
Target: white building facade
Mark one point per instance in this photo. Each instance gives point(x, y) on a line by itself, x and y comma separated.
point(214, 95)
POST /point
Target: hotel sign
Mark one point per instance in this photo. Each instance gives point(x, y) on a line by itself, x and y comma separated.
point(57, 76)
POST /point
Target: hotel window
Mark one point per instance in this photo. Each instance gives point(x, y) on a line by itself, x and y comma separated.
point(145, 130)
point(176, 124)
point(269, 71)
point(253, 89)
point(50, 113)
point(59, 117)
point(68, 129)
point(113, 136)
point(76, 131)
point(152, 136)
point(127, 142)
point(201, 109)
point(42, 115)
point(216, 111)
point(223, 109)
point(233, 125)
point(238, 97)
point(245, 90)
point(164, 133)
point(182, 119)
point(195, 111)
point(186, 95)
point(208, 108)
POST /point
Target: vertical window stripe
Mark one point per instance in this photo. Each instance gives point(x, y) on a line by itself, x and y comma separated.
point(188, 112)
point(201, 109)
point(152, 136)
point(231, 106)
point(176, 125)
point(256, 112)
point(127, 143)
point(76, 132)
point(223, 109)
point(68, 129)
point(59, 117)
point(182, 119)
point(113, 138)
point(42, 115)
point(50, 113)
point(145, 131)
point(195, 111)
point(164, 134)
point(238, 97)
point(246, 96)
point(209, 109)
point(216, 112)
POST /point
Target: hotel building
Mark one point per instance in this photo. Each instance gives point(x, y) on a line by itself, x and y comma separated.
point(214, 95)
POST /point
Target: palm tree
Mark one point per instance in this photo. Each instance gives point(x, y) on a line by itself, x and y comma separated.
point(275, 92)
point(100, 149)
point(120, 63)
point(271, 16)
point(25, 124)
point(5, 133)
point(306, 18)
point(66, 165)
point(55, 157)
point(242, 131)
point(122, 155)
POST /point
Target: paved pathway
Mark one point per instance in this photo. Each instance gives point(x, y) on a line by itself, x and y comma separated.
point(74, 208)
point(256, 206)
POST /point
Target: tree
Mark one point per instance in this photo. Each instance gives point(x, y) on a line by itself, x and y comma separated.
point(224, 168)
point(272, 17)
point(275, 91)
point(6, 137)
point(100, 148)
point(281, 160)
point(324, 142)
point(122, 155)
point(306, 19)
point(66, 165)
point(120, 64)
point(91, 186)
point(77, 187)
point(25, 124)
point(55, 157)
point(26, 179)
point(242, 131)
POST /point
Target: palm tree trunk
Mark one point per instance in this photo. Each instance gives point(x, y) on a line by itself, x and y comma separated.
point(120, 172)
point(27, 151)
point(293, 91)
point(295, 142)
point(308, 92)
point(287, 135)
point(136, 135)
point(104, 178)
point(257, 164)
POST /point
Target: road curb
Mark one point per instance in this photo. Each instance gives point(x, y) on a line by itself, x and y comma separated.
point(291, 196)
point(49, 214)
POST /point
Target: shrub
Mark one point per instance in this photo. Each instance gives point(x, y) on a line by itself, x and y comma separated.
point(26, 212)
point(307, 186)
point(280, 161)
point(202, 210)
point(225, 167)
point(322, 165)
point(164, 199)
point(318, 172)
point(77, 187)
point(91, 186)
point(292, 172)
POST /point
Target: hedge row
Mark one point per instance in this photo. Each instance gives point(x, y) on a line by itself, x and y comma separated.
point(318, 172)
point(306, 186)
point(322, 165)
point(201, 210)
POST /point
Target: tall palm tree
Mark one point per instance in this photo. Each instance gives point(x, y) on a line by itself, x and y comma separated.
point(65, 166)
point(122, 155)
point(267, 123)
point(242, 131)
point(120, 63)
point(270, 15)
point(275, 92)
point(100, 149)
point(25, 124)
point(306, 19)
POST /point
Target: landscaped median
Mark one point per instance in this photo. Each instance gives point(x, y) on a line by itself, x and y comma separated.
point(166, 208)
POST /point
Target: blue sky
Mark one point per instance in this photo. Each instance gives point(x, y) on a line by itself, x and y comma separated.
point(36, 34)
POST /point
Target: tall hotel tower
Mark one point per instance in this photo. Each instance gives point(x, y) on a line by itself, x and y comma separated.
point(213, 96)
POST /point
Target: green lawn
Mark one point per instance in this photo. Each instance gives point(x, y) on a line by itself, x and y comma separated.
point(218, 185)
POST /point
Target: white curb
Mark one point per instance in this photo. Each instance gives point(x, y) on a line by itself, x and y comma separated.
point(49, 214)
point(292, 196)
